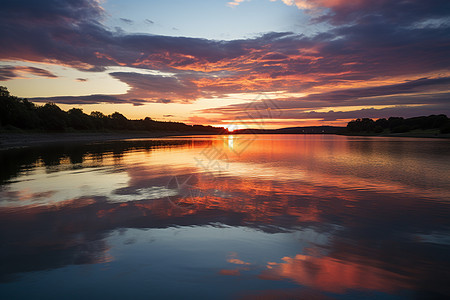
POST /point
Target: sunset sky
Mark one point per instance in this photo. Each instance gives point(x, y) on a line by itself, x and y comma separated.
point(222, 62)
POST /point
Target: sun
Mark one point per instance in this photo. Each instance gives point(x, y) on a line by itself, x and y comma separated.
point(233, 127)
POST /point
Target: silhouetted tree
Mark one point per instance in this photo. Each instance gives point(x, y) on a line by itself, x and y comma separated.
point(400, 125)
point(52, 117)
point(383, 123)
point(99, 120)
point(361, 125)
point(17, 112)
point(401, 128)
point(79, 120)
point(395, 122)
point(446, 127)
point(21, 113)
point(119, 121)
point(4, 91)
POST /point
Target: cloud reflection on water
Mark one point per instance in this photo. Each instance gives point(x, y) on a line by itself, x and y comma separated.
point(357, 230)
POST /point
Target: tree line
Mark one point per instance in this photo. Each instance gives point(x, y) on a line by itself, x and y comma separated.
point(20, 113)
point(399, 125)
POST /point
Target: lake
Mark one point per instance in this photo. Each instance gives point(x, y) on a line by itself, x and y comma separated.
point(227, 217)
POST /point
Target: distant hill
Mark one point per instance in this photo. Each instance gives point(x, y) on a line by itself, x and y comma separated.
point(294, 130)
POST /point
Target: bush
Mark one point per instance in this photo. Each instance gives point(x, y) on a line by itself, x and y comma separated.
point(52, 117)
point(445, 128)
point(401, 129)
point(378, 129)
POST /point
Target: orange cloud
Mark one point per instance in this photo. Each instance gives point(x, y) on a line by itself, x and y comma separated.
point(230, 272)
point(235, 3)
point(333, 275)
point(234, 260)
point(314, 4)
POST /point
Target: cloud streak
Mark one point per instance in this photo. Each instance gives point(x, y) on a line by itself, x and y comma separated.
point(127, 21)
point(13, 72)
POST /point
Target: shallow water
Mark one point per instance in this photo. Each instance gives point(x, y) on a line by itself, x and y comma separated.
point(227, 217)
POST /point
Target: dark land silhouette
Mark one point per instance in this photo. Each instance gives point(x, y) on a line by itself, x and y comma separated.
point(19, 113)
point(420, 126)
point(396, 125)
point(294, 130)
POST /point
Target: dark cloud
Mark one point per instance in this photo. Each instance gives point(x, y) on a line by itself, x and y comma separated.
point(148, 21)
point(394, 12)
point(51, 11)
point(39, 72)
point(360, 51)
point(11, 72)
point(385, 42)
point(275, 56)
point(6, 74)
point(90, 99)
point(408, 99)
point(350, 95)
point(144, 88)
point(151, 87)
point(287, 108)
point(375, 113)
point(282, 116)
point(82, 79)
point(127, 21)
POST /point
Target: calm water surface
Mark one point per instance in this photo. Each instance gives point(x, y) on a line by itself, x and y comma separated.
point(227, 217)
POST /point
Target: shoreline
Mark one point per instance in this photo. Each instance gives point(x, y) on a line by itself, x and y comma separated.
point(13, 140)
point(402, 135)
